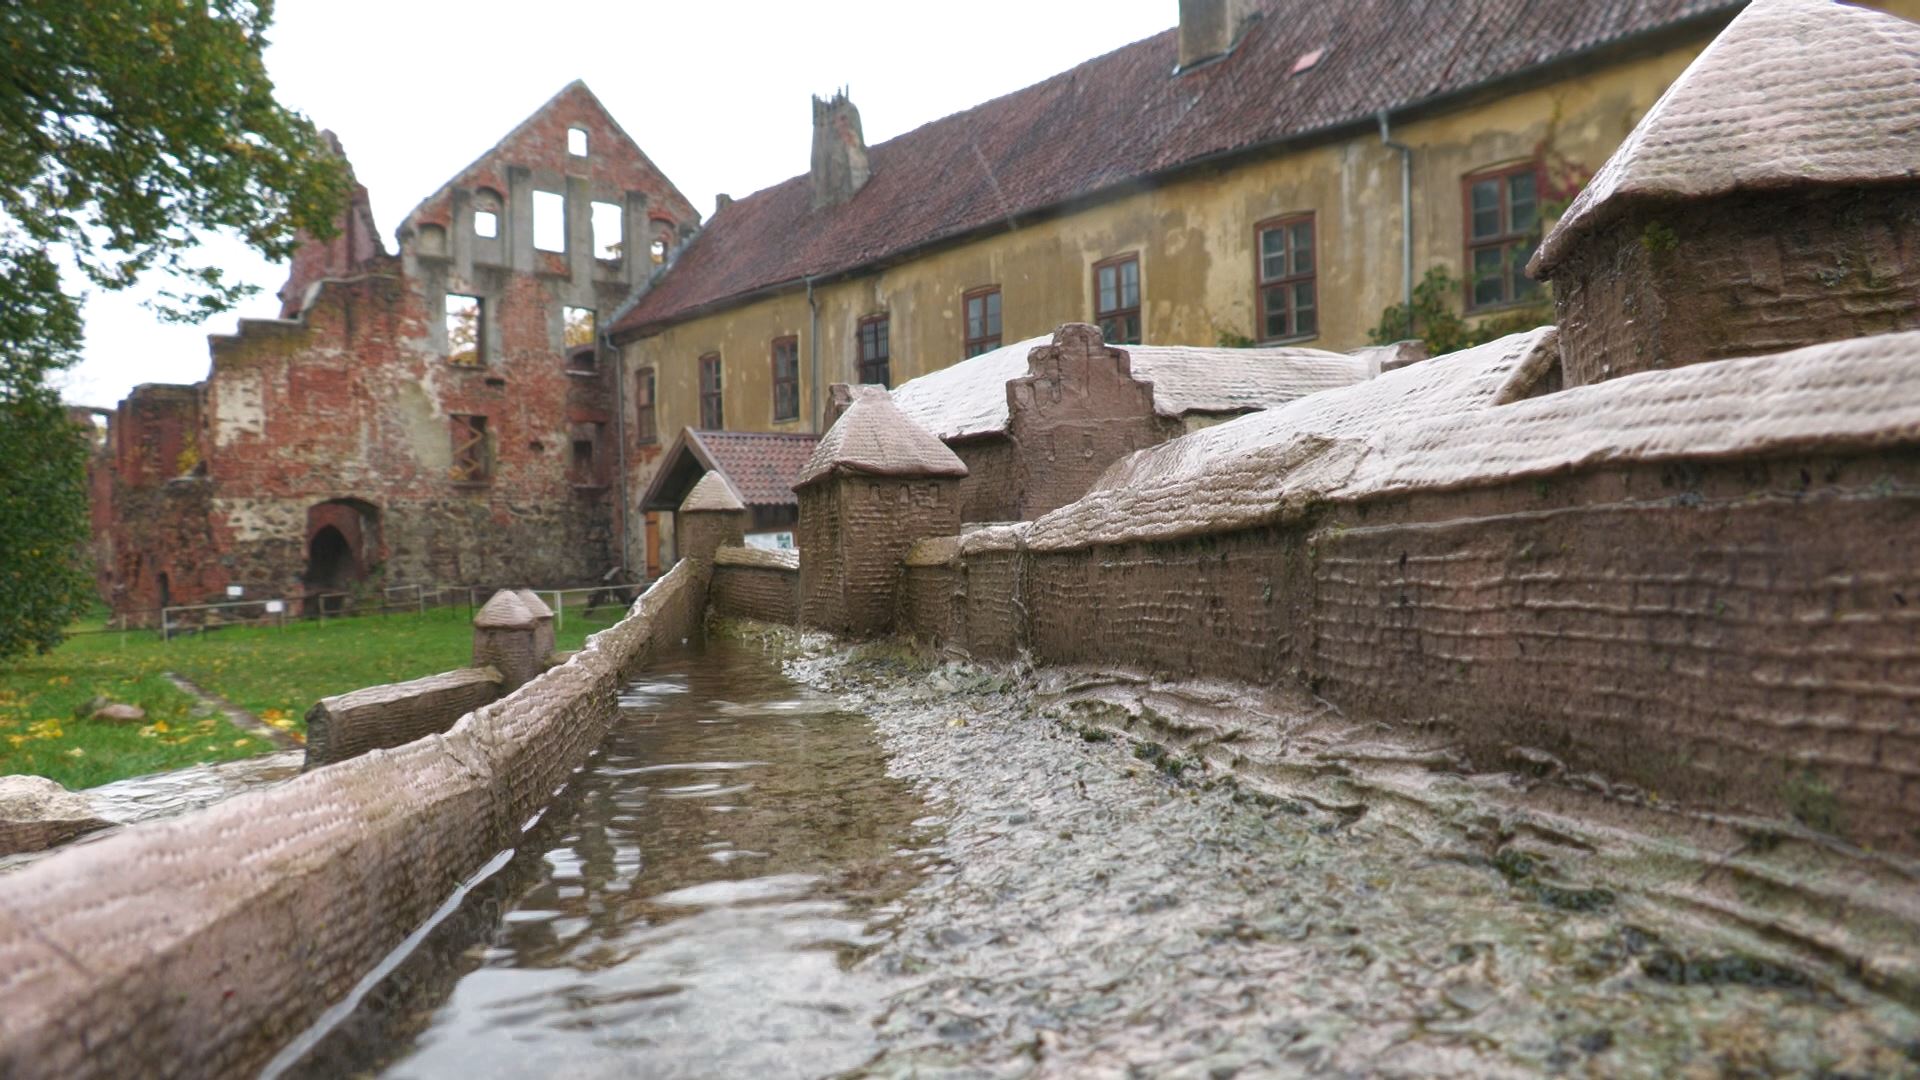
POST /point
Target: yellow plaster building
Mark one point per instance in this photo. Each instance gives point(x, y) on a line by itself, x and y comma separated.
point(1277, 171)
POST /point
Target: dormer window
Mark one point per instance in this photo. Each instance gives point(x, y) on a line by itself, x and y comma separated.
point(577, 142)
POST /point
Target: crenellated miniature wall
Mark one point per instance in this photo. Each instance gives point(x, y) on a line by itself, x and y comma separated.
point(203, 944)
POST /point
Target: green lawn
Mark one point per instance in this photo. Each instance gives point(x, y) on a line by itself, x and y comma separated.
point(277, 674)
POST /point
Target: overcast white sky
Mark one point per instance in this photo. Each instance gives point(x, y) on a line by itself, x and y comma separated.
point(715, 93)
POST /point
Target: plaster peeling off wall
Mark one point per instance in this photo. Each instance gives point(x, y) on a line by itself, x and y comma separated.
point(239, 407)
point(255, 520)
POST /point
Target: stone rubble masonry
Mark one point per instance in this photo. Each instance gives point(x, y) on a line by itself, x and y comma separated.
point(755, 583)
point(340, 413)
point(201, 945)
point(1768, 200)
point(378, 717)
point(506, 639)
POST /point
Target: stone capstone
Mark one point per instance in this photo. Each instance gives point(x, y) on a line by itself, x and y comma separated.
point(119, 713)
point(36, 813)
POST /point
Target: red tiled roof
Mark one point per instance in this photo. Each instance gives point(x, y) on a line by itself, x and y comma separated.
point(761, 466)
point(1124, 117)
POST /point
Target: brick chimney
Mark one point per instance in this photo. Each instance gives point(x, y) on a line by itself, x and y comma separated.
point(839, 151)
point(1210, 28)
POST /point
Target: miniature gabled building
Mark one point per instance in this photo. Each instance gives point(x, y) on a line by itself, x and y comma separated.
point(1770, 199)
point(876, 483)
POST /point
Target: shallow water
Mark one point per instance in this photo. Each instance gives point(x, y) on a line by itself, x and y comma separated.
point(706, 883)
point(745, 880)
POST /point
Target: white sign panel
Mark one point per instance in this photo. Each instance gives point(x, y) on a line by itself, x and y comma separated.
point(235, 592)
point(275, 607)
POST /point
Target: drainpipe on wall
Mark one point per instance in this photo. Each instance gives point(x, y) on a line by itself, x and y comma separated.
point(1406, 213)
point(620, 436)
point(813, 355)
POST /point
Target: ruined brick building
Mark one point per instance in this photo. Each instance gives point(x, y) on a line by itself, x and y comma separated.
point(440, 415)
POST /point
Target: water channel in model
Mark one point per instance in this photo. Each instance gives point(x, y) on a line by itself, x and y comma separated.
point(705, 885)
point(744, 880)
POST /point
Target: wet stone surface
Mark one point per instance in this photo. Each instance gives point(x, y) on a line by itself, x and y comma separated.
point(867, 868)
point(1105, 910)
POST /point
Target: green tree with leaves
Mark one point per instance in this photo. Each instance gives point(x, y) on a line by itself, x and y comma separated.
point(128, 128)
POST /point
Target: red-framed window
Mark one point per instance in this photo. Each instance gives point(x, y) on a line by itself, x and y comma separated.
point(646, 429)
point(983, 320)
point(712, 416)
point(1116, 298)
point(1503, 227)
point(1288, 295)
point(786, 378)
point(876, 352)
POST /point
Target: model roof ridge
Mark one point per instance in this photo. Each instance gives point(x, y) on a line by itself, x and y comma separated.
point(874, 438)
point(504, 611)
point(712, 492)
point(1793, 94)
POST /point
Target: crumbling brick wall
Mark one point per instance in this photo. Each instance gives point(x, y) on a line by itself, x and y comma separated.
point(351, 398)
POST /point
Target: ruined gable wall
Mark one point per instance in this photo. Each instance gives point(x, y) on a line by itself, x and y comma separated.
point(1078, 410)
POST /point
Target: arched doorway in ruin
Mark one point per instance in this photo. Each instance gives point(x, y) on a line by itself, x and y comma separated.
point(343, 547)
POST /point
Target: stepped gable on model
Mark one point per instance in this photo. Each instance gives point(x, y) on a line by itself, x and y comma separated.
point(1794, 93)
point(969, 399)
point(874, 438)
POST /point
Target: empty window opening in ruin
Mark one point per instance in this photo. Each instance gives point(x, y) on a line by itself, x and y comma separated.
point(1503, 228)
point(583, 468)
point(1287, 297)
point(472, 461)
point(579, 332)
point(577, 141)
point(983, 320)
point(786, 378)
point(609, 221)
point(1116, 299)
point(466, 330)
point(549, 221)
point(876, 352)
point(486, 224)
point(662, 241)
point(645, 428)
point(712, 416)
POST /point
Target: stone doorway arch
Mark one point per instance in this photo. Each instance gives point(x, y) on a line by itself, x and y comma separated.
point(342, 548)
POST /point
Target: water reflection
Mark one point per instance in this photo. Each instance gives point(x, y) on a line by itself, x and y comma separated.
point(735, 845)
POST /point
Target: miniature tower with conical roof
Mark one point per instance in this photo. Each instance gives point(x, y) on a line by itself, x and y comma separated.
point(710, 517)
point(876, 483)
point(1770, 199)
point(503, 639)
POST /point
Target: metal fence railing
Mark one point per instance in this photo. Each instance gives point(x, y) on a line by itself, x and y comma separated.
point(579, 602)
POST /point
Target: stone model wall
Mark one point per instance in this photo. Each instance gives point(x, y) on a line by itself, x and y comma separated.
point(1078, 409)
point(1646, 579)
point(863, 526)
point(199, 946)
point(752, 583)
point(989, 491)
point(377, 717)
point(1741, 276)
